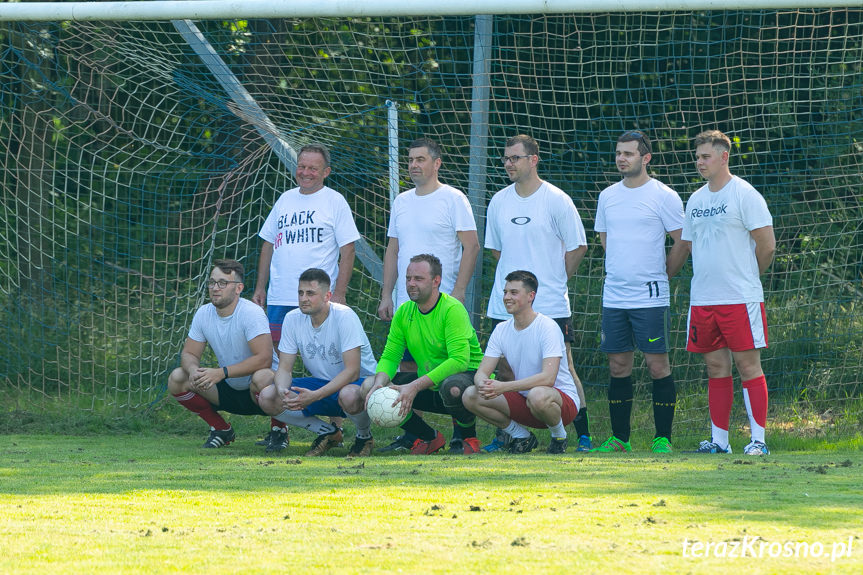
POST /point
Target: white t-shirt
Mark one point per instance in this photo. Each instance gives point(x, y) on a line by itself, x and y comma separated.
point(533, 234)
point(306, 231)
point(321, 347)
point(635, 221)
point(229, 337)
point(725, 270)
point(524, 351)
point(430, 224)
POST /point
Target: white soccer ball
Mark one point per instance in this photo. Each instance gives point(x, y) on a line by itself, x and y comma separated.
point(380, 409)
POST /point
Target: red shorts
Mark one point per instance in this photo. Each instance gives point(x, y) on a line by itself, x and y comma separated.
point(739, 327)
point(520, 413)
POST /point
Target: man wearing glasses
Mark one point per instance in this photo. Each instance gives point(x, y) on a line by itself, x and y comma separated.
point(238, 333)
point(533, 225)
point(633, 218)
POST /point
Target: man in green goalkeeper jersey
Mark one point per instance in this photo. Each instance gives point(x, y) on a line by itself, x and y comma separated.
point(435, 328)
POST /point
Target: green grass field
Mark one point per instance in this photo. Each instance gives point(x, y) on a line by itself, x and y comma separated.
point(160, 504)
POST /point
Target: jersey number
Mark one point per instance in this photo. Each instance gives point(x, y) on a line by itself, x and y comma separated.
point(653, 286)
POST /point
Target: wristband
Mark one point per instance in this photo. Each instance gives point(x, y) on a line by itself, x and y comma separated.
point(225, 369)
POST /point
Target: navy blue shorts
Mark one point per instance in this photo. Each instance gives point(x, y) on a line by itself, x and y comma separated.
point(326, 406)
point(624, 329)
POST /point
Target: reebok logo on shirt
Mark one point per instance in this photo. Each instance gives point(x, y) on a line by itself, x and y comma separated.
point(696, 213)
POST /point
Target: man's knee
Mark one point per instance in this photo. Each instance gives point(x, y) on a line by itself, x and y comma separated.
point(351, 399)
point(366, 387)
point(540, 398)
point(453, 387)
point(469, 397)
point(261, 379)
point(268, 400)
point(178, 381)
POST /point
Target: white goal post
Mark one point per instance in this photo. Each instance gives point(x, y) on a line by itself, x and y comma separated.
point(213, 9)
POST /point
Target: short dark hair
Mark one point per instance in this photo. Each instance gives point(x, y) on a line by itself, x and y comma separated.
point(715, 138)
point(316, 275)
point(644, 146)
point(530, 145)
point(432, 261)
point(316, 148)
point(432, 146)
point(230, 266)
point(528, 279)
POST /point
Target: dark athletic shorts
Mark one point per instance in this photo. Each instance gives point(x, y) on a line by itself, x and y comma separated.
point(237, 401)
point(624, 329)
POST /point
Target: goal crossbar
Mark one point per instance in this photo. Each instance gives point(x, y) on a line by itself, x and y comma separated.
point(221, 9)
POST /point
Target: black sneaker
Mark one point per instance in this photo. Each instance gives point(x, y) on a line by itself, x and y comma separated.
point(456, 446)
point(557, 445)
point(266, 440)
point(362, 447)
point(277, 440)
point(401, 443)
point(219, 438)
point(523, 444)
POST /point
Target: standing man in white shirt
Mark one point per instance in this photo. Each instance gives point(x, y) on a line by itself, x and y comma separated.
point(533, 225)
point(310, 226)
point(729, 229)
point(633, 218)
point(432, 218)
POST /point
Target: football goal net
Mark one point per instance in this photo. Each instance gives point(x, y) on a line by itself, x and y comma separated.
point(135, 152)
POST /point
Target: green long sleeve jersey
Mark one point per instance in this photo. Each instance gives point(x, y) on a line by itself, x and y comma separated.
point(442, 341)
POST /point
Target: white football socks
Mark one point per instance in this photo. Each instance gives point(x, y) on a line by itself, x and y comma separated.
point(363, 424)
point(558, 431)
point(310, 422)
point(516, 430)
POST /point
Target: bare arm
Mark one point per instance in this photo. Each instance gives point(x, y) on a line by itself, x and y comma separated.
point(765, 247)
point(573, 258)
point(262, 357)
point(470, 250)
point(205, 377)
point(677, 255)
point(485, 369)
point(346, 269)
point(546, 377)
point(260, 295)
point(284, 375)
point(190, 357)
point(489, 389)
point(391, 269)
point(602, 236)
